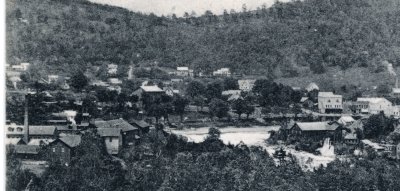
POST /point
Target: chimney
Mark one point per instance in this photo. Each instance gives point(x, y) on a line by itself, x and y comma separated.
point(397, 82)
point(26, 122)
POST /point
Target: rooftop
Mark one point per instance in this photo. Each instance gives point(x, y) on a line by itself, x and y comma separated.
point(27, 149)
point(151, 89)
point(116, 123)
point(42, 130)
point(328, 94)
point(109, 132)
point(71, 140)
point(372, 99)
point(317, 126)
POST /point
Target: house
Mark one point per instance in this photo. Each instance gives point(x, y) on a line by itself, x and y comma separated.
point(395, 92)
point(377, 105)
point(142, 125)
point(375, 146)
point(330, 103)
point(351, 139)
point(112, 69)
point(170, 91)
point(312, 86)
point(231, 92)
point(361, 107)
point(62, 149)
point(114, 81)
point(184, 72)
point(223, 72)
point(346, 120)
point(316, 130)
point(27, 151)
point(150, 92)
point(130, 133)
point(246, 85)
point(234, 97)
point(14, 131)
point(52, 78)
point(42, 135)
point(395, 111)
point(112, 139)
point(306, 102)
point(21, 67)
point(100, 83)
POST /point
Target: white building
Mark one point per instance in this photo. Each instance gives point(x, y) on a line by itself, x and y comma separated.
point(312, 86)
point(52, 78)
point(377, 104)
point(330, 103)
point(246, 85)
point(184, 72)
point(222, 72)
point(112, 68)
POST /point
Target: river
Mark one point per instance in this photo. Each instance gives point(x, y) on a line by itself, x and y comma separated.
point(255, 136)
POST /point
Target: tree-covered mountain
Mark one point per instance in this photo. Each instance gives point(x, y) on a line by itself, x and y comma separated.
point(282, 40)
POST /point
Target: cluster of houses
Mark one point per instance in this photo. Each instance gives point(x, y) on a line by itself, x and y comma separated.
point(343, 130)
point(57, 139)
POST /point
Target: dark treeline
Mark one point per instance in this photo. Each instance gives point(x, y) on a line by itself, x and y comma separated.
point(167, 162)
point(283, 40)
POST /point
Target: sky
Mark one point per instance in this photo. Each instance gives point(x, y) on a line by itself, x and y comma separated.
point(179, 7)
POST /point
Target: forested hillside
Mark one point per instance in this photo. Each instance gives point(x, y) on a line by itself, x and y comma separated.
point(283, 40)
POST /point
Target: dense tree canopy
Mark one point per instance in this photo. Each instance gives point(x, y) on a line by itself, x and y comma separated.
point(279, 41)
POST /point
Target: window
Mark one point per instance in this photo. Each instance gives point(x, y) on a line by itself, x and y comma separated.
point(62, 150)
point(329, 101)
point(54, 150)
point(110, 140)
point(337, 100)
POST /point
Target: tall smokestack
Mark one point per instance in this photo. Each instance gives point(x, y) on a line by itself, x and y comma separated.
point(26, 121)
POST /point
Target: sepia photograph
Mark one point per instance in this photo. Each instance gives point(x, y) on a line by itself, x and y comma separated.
point(202, 95)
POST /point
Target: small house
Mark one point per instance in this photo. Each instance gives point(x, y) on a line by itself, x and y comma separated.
point(246, 85)
point(27, 151)
point(223, 72)
point(62, 149)
point(112, 139)
point(130, 133)
point(351, 139)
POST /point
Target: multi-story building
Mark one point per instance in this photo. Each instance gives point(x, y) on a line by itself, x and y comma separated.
point(329, 102)
point(377, 105)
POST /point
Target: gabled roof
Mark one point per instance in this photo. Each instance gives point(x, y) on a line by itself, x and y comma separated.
point(139, 123)
point(151, 89)
point(312, 86)
point(317, 126)
point(40, 141)
point(303, 99)
point(109, 132)
point(346, 119)
point(27, 149)
point(116, 123)
point(42, 130)
point(71, 140)
point(182, 68)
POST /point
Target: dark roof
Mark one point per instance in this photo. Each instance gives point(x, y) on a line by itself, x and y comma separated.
point(27, 149)
point(71, 140)
point(117, 123)
point(42, 130)
point(317, 126)
point(139, 123)
point(108, 132)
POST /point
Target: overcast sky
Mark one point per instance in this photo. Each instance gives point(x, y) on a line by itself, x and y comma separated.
point(167, 7)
